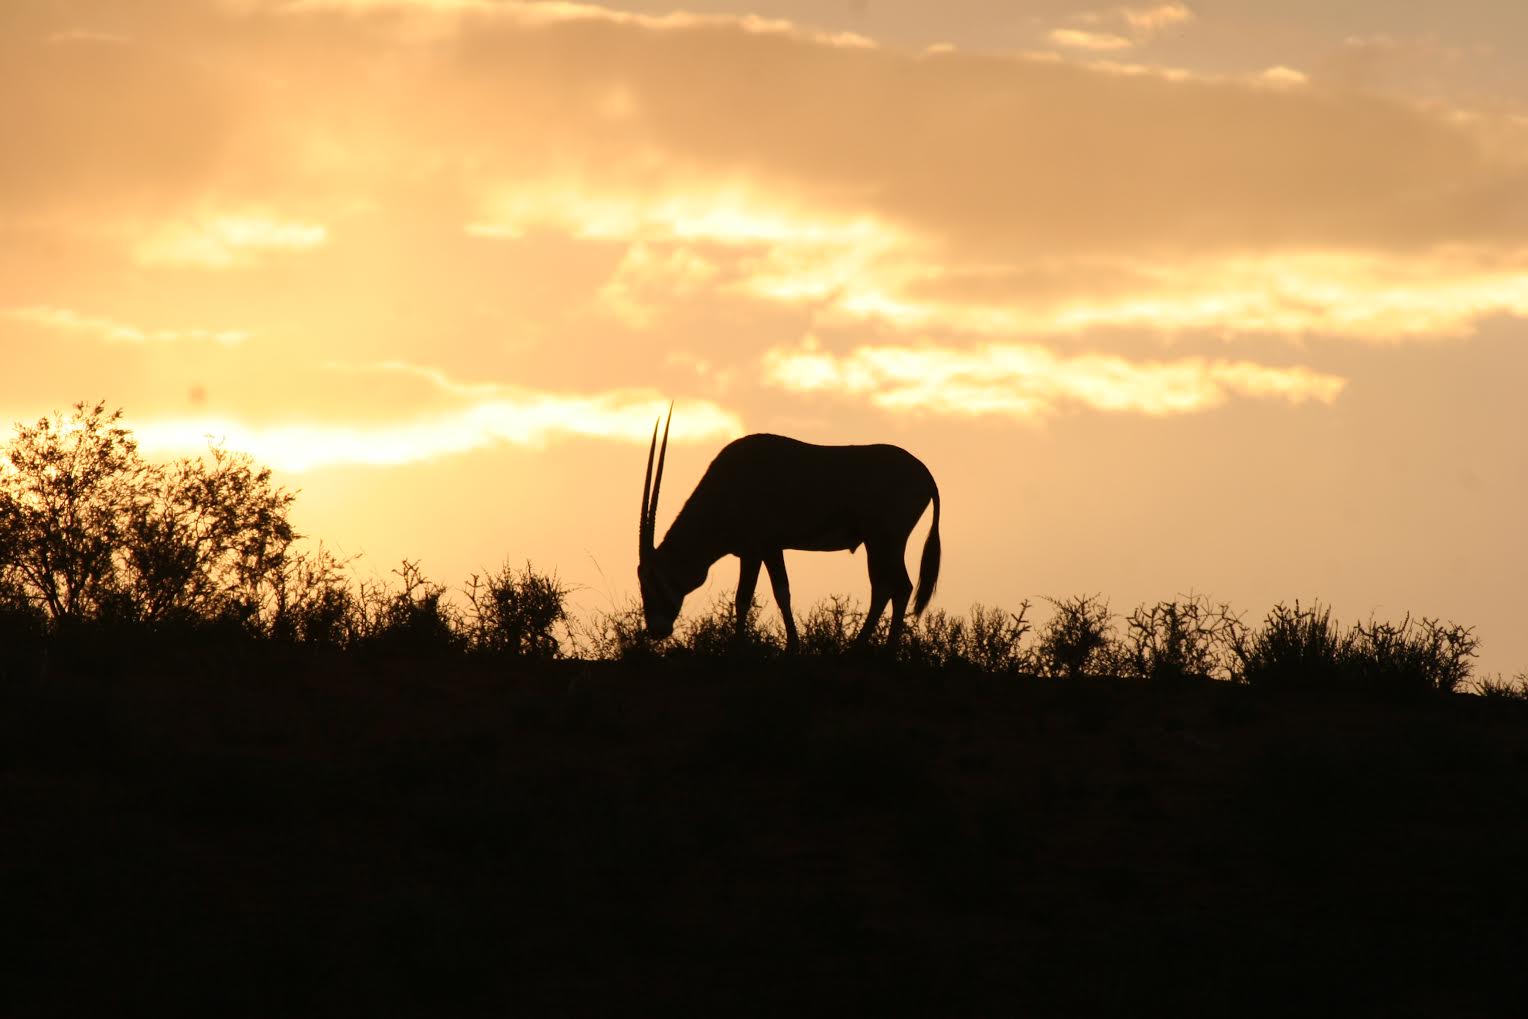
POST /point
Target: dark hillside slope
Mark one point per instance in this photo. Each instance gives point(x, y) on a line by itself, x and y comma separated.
point(272, 835)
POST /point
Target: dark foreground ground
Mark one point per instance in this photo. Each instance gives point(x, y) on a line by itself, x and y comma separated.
point(268, 836)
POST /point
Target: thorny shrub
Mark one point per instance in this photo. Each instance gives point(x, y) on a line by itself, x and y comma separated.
point(1187, 638)
point(1414, 657)
point(1305, 649)
point(989, 640)
point(1498, 689)
point(412, 618)
point(516, 613)
point(1294, 648)
point(1078, 640)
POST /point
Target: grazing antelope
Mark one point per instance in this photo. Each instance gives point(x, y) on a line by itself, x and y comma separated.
point(767, 493)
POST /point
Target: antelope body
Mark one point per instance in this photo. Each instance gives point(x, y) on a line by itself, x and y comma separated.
point(764, 494)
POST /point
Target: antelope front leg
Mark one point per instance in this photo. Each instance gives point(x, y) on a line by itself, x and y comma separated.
point(781, 585)
point(747, 580)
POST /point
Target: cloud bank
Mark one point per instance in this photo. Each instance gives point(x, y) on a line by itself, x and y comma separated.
point(534, 189)
point(519, 418)
point(1030, 382)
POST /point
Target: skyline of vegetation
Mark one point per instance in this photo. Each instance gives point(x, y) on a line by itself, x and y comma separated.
point(91, 532)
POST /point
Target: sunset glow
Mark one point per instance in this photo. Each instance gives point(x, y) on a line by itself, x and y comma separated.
point(1265, 269)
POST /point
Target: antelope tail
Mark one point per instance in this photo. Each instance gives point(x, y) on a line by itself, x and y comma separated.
point(928, 566)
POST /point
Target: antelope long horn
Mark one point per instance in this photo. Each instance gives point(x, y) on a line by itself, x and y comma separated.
point(652, 509)
point(645, 527)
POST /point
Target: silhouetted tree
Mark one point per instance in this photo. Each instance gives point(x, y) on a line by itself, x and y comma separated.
point(88, 527)
point(207, 541)
point(69, 487)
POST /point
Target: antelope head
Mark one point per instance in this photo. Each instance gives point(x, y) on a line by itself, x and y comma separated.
point(661, 598)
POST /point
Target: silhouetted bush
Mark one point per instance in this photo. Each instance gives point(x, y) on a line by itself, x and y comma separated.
point(988, 640)
point(937, 640)
point(1415, 657)
point(1295, 648)
point(709, 630)
point(314, 601)
point(1078, 640)
point(413, 618)
point(1498, 689)
point(1305, 649)
point(995, 639)
point(712, 631)
point(617, 635)
point(1187, 638)
point(516, 613)
point(830, 626)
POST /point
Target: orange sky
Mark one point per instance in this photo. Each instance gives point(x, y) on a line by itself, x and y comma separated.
point(1218, 297)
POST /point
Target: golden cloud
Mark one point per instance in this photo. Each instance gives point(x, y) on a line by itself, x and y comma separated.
point(548, 12)
point(1032, 382)
point(225, 241)
point(1441, 293)
point(515, 416)
point(67, 320)
point(1281, 76)
point(1136, 25)
point(873, 273)
point(1077, 38)
point(1154, 19)
point(671, 208)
